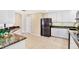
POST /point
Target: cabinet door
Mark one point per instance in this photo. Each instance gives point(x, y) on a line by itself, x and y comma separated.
point(7, 16)
point(68, 16)
point(62, 16)
point(53, 16)
point(59, 17)
point(72, 44)
point(58, 32)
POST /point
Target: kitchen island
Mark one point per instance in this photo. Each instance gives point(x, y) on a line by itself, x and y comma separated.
point(9, 39)
point(13, 39)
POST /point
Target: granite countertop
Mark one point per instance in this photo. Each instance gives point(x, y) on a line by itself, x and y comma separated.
point(72, 27)
point(12, 39)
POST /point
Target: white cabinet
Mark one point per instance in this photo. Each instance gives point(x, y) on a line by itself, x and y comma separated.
point(7, 16)
point(62, 16)
point(59, 32)
point(53, 16)
point(18, 45)
point(73, 44)
point(59, 16)
point(68, 16)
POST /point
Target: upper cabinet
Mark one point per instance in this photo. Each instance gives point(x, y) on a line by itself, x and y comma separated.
point(59, 16)
point(7, 16)
point(53, 16)
point(62, 16)
point(69, 16)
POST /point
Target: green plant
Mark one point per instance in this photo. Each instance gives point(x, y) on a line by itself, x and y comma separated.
point(3, 32)
point(1, 41)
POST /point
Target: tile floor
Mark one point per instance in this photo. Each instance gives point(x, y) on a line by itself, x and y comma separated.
point(41, 42)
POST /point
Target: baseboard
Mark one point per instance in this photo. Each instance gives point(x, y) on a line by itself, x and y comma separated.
point(59, 37)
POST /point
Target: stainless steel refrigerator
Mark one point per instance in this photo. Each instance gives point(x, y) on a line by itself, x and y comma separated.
point(46, 26)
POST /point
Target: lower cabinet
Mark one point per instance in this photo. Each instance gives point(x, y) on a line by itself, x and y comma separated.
point(72, 43)
point(59, 32)
point(18, 45)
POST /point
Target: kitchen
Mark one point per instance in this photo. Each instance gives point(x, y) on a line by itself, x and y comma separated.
point(27, 25)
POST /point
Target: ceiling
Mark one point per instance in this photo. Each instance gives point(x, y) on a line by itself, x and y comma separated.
point(39, 11)
point(30, 11)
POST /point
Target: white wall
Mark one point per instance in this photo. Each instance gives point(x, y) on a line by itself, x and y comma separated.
point(36, 18)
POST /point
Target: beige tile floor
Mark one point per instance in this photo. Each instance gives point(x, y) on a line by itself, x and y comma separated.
point(40, 42)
